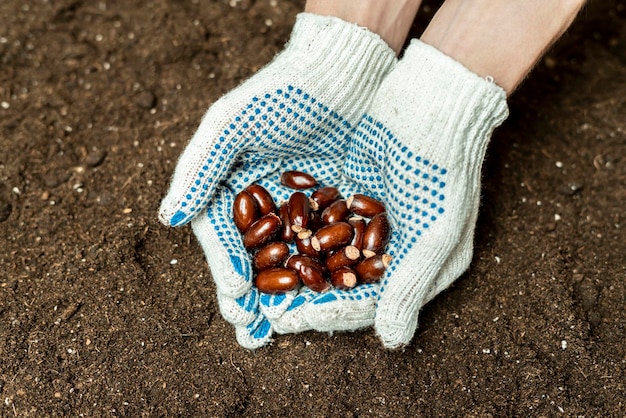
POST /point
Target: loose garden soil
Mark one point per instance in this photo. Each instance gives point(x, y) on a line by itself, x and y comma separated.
point(105, 312)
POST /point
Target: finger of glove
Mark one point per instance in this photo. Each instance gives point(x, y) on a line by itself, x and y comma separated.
point(222, 244)
point(273, 306)
point(204, 162)
point(343, 310)
point(409, 280)
point(261, 127)
point(418, 272)
point(240, 311)
point(256, 334)
point(293, 320)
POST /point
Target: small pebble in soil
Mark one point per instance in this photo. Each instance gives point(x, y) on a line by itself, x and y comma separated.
point(146, 100)
point(570, 189)
point(52, 179)
point(95, 158)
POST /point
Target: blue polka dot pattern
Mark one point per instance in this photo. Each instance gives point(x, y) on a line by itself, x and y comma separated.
point(304, 296)
point(366, 158)
point(411, 186)
point(281, 125)
point(249, 301)
point(361, 292)
point(260, 328)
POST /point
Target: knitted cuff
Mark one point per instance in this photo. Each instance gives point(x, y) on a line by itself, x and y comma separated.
point(343, 51)
point(447, 96)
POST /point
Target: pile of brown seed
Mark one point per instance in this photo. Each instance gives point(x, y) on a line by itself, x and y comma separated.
point(340, 242)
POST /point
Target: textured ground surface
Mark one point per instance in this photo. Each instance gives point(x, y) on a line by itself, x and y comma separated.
point(98, 98)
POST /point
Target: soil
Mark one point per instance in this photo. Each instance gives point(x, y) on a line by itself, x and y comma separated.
point(105, 312)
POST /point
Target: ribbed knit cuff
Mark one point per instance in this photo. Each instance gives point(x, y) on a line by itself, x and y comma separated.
point(323, 40)
point(446, 93)
point(346, 54)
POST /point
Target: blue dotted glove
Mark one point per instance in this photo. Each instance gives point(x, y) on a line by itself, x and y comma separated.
point(241, 303)
point(294, 113)
point(419, 150)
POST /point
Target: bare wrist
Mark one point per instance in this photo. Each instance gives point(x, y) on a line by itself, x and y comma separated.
point(390, 19)
point(503, 40)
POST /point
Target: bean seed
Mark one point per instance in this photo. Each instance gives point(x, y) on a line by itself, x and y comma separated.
point(325, 196)
point(276, 280)
point(359, 226)
point(262, 231)
point(372, 269)
point(313, 278)
point(336, 212)
point(286, 233)
point(305, 246)
point(264, 200)
point(344, 278)
point(332, 236)
point(299, 211)
point(297, 180)
point(271, 255)
point(245, 211)
point(346, 256)
point(297, 260)
point(364, 205)
point(376, 234)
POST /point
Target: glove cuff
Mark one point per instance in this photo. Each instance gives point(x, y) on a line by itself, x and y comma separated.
point(349, 59)
point(445, 97)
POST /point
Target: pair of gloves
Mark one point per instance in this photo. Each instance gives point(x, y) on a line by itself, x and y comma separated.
point(337, 104)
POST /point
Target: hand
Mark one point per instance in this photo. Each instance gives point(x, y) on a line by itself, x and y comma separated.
point(419, 149)
point(296, 112)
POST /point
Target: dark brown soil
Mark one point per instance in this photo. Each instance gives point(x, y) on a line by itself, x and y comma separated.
point(104, 312)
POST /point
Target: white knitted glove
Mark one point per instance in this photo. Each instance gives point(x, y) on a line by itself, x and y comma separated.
point(419, 149)
point(296, 113)
point(315, 89)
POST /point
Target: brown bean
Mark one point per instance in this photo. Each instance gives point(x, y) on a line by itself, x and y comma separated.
point(376, 234)
point(297, 180)
point(365, 205)
point(313, 278)
point(286, 233)
point(271, 255)
point(276, 280)
point(359, 226)
point(245, 211)
point(336, 212)
point(305, 246)
point(263, 198)
point(344, 278)
point(262, 231)
point(315, 222)
point(346, 256)
point(372, 269)
point(325, 196)
point(332, 236)
point(297, 260)
point(311, 271)
point(299, 211)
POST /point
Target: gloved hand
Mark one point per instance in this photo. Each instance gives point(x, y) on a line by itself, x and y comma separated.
point(297, 112)
point(419, 149)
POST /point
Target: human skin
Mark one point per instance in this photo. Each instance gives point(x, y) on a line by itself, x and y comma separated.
point(391, 19)
point(502, 39)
